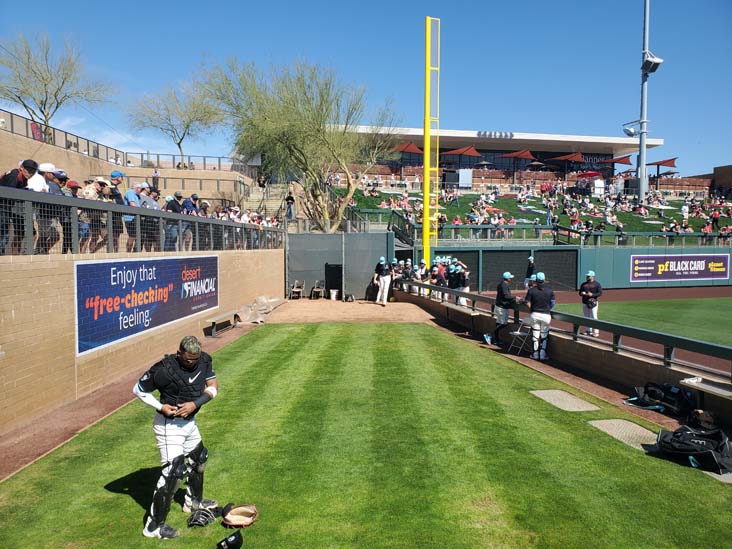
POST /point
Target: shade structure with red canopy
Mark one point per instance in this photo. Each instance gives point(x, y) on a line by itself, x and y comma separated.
point(617, 160)
point(668, 163)
point(567, 158)
point(524, 154)
point(408, 147)
point(463, 151)
point(572, 157)
point(405, 148)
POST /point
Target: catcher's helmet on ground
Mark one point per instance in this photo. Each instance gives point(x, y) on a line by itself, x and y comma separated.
point(201, 517)
point(238, 516)
point(234, 541)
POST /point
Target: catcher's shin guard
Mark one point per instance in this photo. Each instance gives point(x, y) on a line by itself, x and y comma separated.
point(168, 483)
point(196, 466)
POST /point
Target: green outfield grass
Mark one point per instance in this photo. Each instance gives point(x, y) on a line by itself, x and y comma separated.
point(704, 319)
point(375, 435)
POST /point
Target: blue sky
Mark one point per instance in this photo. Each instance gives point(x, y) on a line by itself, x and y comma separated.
point(565, 66)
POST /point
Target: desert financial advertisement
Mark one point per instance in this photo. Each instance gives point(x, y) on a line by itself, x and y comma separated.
point(116, 300)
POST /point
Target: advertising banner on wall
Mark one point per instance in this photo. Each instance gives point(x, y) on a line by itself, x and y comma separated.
point(119, 299)
point(678, 268)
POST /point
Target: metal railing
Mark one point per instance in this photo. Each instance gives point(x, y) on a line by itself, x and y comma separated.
point(669, 344)
point(567, 235)
point(38, 223)
point(547, 234)
point(20, 125)
point(486, 234)
point(187, 162)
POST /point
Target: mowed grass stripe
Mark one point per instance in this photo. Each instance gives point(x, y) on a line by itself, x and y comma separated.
point(456, 448)
point(285, 469)
point(260, 383)
point(404, 482)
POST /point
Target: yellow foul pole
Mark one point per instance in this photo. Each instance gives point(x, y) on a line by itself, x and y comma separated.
point(431, 148)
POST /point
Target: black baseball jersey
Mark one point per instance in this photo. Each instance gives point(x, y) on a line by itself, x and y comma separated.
point(541, 298)
point(175, 384)
point(439, 280)
point(504, 299)
point(593, 288)
point(383, 270)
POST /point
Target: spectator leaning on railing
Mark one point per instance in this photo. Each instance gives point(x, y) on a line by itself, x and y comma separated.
point(116, 178)
point(132, 199)
point(171, 229)
point(16, 178)
point(65, 215)
point(47, 216)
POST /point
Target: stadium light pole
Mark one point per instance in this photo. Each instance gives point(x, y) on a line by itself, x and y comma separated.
point(649, 64)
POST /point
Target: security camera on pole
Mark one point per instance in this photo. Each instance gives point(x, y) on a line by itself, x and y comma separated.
point(650, 64)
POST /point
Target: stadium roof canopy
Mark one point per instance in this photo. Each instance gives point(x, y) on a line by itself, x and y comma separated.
point(515, 141)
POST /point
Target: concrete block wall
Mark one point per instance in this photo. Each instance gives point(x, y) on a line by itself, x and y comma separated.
point(38, 363)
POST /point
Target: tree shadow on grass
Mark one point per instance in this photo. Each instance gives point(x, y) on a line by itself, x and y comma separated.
point(139, 485)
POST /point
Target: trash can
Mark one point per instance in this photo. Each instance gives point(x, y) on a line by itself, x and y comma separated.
point(334, 295)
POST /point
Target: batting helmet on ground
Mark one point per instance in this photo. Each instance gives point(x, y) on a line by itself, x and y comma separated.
point(234, 541)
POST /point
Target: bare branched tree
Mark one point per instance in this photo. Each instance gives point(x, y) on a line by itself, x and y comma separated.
point(180, 113)
point(32, 76)
point(305, 124)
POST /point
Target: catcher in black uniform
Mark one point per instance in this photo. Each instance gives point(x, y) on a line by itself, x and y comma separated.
point(186, 381)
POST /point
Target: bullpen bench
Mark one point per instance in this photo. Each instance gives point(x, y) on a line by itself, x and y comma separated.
point(221, 323)
point(707, 386)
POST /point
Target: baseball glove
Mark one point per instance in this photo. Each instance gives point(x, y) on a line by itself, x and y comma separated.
point(239, 516)
point(201, 517)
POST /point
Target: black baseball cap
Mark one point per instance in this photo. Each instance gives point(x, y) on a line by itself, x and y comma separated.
point(30, 165)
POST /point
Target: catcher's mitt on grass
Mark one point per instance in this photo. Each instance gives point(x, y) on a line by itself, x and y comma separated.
point(239, 516)
point(201, 517)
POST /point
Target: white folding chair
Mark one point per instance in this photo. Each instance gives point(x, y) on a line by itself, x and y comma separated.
point(520, 337)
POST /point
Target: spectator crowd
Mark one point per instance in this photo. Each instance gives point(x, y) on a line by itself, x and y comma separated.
point(99, 229)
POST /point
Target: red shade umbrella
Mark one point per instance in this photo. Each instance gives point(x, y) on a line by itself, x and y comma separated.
point(587, 175)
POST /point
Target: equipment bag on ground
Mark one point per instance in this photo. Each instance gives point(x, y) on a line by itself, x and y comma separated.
point(372, 291)
point(664, 398)
point(707, 449)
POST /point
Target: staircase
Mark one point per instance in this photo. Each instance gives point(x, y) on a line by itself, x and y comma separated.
point(266, 205)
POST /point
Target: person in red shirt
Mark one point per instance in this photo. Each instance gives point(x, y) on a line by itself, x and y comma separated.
point(715, 218)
